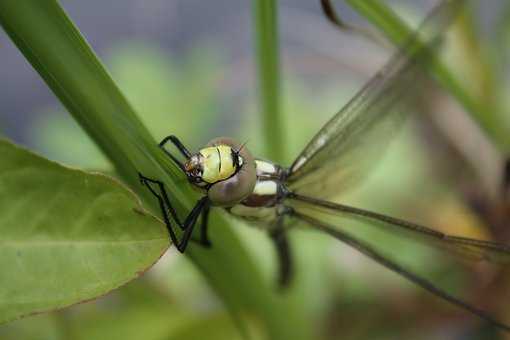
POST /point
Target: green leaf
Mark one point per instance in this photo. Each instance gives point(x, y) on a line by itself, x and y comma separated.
point(67, 236)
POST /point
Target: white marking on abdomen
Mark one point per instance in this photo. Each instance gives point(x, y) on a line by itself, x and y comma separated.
point(265, 188)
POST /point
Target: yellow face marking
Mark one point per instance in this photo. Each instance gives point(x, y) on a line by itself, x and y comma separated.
point(218, 163)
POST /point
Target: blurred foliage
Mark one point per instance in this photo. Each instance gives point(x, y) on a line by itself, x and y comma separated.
point(44, 326)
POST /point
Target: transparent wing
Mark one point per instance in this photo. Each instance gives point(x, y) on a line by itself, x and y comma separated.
point(371, 252)
point(462, 247)
point(339, 151)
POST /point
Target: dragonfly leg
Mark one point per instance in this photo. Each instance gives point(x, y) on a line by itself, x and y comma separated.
point(175, 141)
point(204, 227)
point(281, 242)
point(506, 179)
point(162, 196)
point(169, 213)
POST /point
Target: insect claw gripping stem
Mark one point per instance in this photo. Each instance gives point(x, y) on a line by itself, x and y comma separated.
point(146, 181)
point(175, 141)
point(201, 207)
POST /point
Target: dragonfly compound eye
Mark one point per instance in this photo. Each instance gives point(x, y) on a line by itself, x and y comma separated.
point(194, 168)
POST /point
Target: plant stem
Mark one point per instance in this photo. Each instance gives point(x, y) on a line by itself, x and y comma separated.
point(265, 18)
point(396, 30)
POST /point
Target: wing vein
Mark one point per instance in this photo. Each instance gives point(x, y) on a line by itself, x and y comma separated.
point(385, 98)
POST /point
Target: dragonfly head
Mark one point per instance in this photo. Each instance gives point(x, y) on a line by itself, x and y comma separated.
point(213, 164)
point(225, 168)
point(193, 168)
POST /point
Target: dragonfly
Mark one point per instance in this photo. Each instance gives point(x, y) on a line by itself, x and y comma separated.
point(274, 197)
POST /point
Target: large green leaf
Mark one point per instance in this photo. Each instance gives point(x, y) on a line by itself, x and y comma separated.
point(67, 235)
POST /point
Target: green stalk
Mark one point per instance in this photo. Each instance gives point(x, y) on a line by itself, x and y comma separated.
point(59, 53)
point(396, 30)
point(265, 18)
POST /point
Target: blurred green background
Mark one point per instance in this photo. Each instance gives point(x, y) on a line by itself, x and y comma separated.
point(191, 63)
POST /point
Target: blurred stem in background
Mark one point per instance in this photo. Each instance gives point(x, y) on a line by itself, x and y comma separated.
point(265, 19)
point(488, 118)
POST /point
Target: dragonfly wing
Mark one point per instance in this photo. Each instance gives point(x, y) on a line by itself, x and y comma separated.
point(335, 169)
point(371, 252)
point(368, 121)
point(462, 247)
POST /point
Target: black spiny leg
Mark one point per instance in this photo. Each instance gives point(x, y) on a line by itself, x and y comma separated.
point(190, 221)
point(182, 149)
point(204, 227)
point(281, 242)
point(506, 179)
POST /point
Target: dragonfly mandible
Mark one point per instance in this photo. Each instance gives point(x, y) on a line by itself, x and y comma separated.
point(270, 195)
